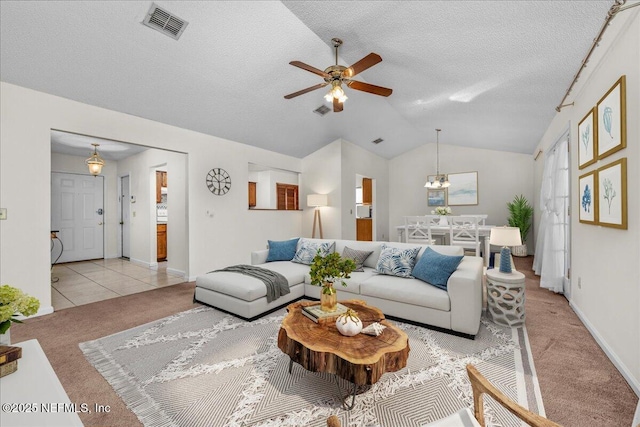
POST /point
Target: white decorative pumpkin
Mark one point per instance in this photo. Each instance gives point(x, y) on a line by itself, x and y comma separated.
point(349, 323)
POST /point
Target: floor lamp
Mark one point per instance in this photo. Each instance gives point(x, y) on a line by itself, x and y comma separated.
point(317, 201)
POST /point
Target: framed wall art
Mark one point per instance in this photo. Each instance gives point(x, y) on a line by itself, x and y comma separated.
point(611, 184)
point(612, 120)
point(588, 139)
point(463, 190)
point(437, 197)
point(588, 195)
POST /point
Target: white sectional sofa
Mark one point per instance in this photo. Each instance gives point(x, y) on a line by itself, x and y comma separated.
point(458, 308)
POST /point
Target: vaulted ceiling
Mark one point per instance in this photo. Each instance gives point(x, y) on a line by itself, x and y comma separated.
point(488, 73)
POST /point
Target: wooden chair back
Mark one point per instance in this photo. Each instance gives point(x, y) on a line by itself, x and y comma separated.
point(481, 385)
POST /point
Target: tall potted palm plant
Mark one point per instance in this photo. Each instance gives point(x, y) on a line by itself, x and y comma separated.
point(520, 214)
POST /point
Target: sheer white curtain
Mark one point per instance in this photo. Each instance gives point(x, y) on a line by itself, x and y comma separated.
point(550, 256)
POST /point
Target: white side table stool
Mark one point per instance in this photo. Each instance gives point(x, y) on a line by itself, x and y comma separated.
point(505, 297)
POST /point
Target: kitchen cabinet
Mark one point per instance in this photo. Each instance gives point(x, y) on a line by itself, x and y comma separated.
point(367, 191)
point(252, 194)
point(162, 242)
point(161, 181)
point(364, 229)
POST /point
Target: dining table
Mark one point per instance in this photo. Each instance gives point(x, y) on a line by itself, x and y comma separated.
point(484, 233)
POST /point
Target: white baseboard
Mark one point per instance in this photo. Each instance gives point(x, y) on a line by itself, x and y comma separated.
point(192, 278)
point(633, 382)
point(140, 262)
point(41, 312)
point(176, 272)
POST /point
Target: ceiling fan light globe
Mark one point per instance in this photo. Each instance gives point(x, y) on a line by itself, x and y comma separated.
point(342, 98)
point(329, 97)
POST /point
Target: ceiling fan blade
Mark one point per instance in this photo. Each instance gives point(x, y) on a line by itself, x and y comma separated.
point(309, 68)
point(366, 87)
point(303, 91)
point(337, 105)
point(366, 62)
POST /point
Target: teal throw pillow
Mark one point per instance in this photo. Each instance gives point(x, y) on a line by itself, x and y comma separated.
point(282, 251)
point(308, 250)
point(396, 262)
point(435, 268)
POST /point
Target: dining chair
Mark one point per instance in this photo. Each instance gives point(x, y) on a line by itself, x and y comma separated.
point(464, 231)
point(417, 229)
point(481, 217)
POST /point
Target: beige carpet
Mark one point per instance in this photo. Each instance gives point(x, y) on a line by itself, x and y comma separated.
point(203, 367)
point(579, 385)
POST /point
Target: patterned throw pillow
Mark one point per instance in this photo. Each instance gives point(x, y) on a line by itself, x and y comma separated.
point(436, 268)
point(396, 262)
point(282, 251)
point(308, 250)
point(359, 257)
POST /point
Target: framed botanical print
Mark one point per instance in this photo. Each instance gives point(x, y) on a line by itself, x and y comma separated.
point(437, 197)
point(588, 139)
point(611, 182)
point(588, 195)
point(612, 120)
point(463, 190)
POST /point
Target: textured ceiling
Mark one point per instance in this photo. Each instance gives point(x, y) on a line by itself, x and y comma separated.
point(489, 73)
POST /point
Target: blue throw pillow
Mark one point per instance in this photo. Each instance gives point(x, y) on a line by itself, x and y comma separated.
point(396, 262)
point(435, 268)
point(308, 251)
point(282, 251)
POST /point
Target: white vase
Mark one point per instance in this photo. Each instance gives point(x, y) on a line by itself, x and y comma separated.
point(5, 339)
point(349, 324)
point(443, 220)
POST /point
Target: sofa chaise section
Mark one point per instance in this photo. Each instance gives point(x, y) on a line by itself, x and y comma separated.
point(246, 296)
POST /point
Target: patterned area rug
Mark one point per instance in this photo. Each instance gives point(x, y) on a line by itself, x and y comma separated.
point(203, 367)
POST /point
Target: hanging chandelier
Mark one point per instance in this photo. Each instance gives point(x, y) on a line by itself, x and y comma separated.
point(95, 162)
point(440, 180)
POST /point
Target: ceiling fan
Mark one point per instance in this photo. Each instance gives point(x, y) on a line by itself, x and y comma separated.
point(335, 75)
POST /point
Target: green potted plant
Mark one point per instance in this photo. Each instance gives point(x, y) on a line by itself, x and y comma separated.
point(14, 302)
point(327, 270)
point(520, 214)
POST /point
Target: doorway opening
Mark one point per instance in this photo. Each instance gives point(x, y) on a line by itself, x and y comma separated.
point(129, 211)
point(125, 217)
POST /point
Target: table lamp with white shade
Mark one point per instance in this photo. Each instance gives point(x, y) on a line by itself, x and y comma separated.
point(505, 237)
point(317, 201)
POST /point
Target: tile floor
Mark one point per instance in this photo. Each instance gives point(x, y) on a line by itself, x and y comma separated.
point(83, 282)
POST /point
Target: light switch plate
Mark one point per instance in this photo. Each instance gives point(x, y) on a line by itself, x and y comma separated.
point(3, 213)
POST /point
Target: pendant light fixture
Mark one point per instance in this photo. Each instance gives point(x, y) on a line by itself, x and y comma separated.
point(95, 162)
point(439, 181)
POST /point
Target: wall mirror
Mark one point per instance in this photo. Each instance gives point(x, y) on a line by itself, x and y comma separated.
point(273, 188)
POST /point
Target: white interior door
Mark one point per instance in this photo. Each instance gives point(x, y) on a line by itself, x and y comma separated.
point(77, 203)
point(125, 211)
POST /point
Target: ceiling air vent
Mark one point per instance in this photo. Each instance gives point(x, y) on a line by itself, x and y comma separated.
point(377, 141)
point(163, 21)
point(322, 110)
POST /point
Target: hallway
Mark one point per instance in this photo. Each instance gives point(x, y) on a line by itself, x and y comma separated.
point(84, 282)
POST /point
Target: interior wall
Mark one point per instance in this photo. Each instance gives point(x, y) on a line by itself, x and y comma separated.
point(222, 231)
point(501, 176)
point(141, 169)
point(321, 174)
point(358, 161)
point(605, 291)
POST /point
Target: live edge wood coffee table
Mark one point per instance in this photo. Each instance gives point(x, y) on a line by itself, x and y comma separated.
point(361, 360)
